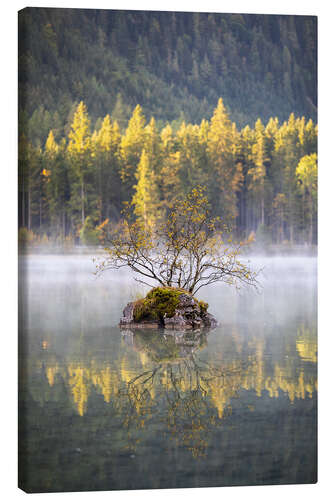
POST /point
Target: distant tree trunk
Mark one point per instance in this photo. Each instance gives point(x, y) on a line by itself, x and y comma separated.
point(63, 224)
point(291, 218)
point(82, 202)
point(291, 232)
point(29, 210)
point(311, 223)
point(100, 194)
point(303, 218)
point(40, 213)
point(262, 210)
point(282, 226)
point(23, 204)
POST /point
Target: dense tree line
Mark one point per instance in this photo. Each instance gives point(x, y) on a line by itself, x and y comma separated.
point(260, 179)
point(176, 65)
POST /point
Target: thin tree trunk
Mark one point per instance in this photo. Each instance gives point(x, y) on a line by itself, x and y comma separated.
point(100, 201)
point(29, 211)
point(311, 223)
point(262, 210)
point(63, 225)
point(291, 234)
point(303, 218)
point(291, 224)
point(40, 213)
point(82, 202)
point(23, 204)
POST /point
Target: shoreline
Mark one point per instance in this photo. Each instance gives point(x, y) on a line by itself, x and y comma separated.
point(269, 251)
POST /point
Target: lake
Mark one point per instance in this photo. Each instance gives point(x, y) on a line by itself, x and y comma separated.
point(105, 409)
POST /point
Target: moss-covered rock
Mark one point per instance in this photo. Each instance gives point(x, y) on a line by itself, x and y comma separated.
point(170, 308)
point(158, 303)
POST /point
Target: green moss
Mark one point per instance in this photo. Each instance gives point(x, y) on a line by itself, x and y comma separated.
point(158, 302)
point(162, 301)
point(203, 307)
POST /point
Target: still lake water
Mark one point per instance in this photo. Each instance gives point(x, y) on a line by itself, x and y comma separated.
point(105, 409)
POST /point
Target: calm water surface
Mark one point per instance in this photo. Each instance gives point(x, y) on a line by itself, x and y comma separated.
point(104, 409)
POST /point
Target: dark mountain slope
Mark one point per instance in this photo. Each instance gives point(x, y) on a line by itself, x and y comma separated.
point(176, 65)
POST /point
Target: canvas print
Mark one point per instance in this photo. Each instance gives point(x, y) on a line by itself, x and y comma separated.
point(167, 225)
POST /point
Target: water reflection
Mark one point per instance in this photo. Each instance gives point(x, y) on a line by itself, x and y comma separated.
point(158, 373)
point(189, 387)
point(306, 343)
point(102, 409)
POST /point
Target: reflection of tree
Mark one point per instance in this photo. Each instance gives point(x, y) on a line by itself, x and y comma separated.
point(187, 386)
point(292, 378)
point(306, 343)
point(195, 386)
point(78, 378)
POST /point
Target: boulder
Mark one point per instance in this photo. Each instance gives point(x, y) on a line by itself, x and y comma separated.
point(183, 312)
point(176, 322)
point(128, 319)
point(209, 320)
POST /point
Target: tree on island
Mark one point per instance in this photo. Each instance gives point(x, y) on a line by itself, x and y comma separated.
point(187, 250)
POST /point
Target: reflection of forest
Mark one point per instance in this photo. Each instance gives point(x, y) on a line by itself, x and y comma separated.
point(140, 413)
point(244, 397)
point(166, 375)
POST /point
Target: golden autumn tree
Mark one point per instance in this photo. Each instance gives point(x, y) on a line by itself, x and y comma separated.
point(79, 151)
point(257, 172)
point(225, 173)
point(132, 144)
point(169, 173)
point(145, 199)
point(55, 171)
point(188, 250)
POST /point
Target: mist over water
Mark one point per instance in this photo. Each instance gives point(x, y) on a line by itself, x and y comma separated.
point(67, 286)
point(236, 406)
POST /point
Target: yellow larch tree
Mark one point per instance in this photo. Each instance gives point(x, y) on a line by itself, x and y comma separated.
point(132, 143)
point(145, 200)
point(225, 174)
point(79, 150)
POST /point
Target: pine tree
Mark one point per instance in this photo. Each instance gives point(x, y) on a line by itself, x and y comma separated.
point(279, 209)
point(152, 145)
point(192, 147)
point(106, 154)
point(246, 141)
point(225, 175)
point(145, 200)
point(307, 175)
point(57, 183)
point(168, 175)
point(23, 180)
point(289, 177)
point(257, 173)
point(120, 112)
point(79, 151)
point(33, 177)
point(132, 144)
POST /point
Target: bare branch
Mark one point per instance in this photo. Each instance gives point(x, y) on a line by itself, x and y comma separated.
point(186, 250)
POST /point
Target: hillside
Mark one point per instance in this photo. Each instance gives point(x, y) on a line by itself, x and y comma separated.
point(175, 65)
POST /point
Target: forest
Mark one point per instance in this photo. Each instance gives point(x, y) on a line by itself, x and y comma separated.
point(121, 107)
point(260, 179)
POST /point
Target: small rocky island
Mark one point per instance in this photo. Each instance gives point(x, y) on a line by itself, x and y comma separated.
point(169, 308)
point(183, 251)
